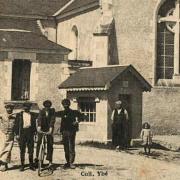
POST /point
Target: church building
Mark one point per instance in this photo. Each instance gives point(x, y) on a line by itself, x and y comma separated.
point(45, 42)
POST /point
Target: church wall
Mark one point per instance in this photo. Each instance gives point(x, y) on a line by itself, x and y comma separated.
point(86, 24)
point(161, 108)
point(135, 25)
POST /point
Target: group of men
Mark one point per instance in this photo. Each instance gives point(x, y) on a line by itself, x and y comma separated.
point(24, 125)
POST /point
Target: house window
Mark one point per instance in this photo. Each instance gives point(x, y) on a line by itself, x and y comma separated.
point(21, 70)
point(167, 58)
point(87, 106)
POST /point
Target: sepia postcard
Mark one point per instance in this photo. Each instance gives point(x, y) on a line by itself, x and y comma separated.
point(90, 89)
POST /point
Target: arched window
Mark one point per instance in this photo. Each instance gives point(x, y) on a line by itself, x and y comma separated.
point(167, 65)
point(74, 43)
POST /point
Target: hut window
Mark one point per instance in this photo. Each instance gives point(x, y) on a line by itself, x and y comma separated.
point(87, 106)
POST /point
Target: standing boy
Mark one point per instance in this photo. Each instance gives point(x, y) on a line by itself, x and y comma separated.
point(7, 127)
point(45, 123)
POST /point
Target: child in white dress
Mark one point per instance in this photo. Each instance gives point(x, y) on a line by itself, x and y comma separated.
point(146, 135)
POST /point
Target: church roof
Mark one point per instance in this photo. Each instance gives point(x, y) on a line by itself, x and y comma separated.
point(40, 7)
point(77, 4)
point(28, 40)
point(100, 78)
point(31, 7)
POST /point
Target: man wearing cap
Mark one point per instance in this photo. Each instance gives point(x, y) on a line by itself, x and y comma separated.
point(7, 127)
point(119, 119)
point(69, 126)
point(45, 123)
point(25, 129)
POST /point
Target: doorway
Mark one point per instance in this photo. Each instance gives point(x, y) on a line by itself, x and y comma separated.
point(126, 102)
point(21, 70)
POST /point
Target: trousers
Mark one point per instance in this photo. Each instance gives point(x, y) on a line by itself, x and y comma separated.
point(69, 145)
point(26, 140)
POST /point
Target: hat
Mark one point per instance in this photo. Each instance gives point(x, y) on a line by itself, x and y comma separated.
point(47, 103)
point(66, 102)
point(118, 102)
point(27, 104)
point(10, 105)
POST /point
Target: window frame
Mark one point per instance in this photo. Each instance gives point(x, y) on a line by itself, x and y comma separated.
point(87, 101)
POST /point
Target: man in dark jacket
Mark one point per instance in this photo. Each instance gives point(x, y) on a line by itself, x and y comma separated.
point(69, 126)
point(25, 129)
point(119, 126)
point(45, 123)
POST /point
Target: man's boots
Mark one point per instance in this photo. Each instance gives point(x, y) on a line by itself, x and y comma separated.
point(22, 163)
point(31, 165)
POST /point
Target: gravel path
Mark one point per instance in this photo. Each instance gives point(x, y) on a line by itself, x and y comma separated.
point(93, 163)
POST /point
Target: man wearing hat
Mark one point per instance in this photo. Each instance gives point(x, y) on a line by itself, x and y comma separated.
point(45, 123)
point(68, 129)
point(25, 129)
point(7, 127)
point(119, 126)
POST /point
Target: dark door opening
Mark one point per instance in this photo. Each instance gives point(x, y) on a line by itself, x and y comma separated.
point(126, 101)
point(21, 70)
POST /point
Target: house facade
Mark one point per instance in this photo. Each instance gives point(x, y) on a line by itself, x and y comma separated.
point(30, 59)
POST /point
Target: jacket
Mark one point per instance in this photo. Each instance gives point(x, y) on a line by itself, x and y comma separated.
point(46, 121)
point(68, 119)
point(19, 123)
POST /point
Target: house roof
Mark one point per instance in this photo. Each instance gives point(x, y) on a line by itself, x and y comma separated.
point(22, 24)
point(28, 40)
point(31, 7)
point(100, 78)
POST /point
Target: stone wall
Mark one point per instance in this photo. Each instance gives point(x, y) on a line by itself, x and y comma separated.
point(86, 24)
point(50, 75)
point(135, 23)
point(161, 109)
point(135, 26)
point(4, 83)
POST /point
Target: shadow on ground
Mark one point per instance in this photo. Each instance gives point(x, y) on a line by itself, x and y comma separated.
point(80, 166)
point(111, 147)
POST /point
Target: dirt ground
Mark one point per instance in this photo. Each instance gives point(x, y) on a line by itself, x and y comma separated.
point(95, 163)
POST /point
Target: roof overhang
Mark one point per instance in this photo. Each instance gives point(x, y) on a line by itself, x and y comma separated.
point(31, 50)
point(85, 89)
point(85, 79)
